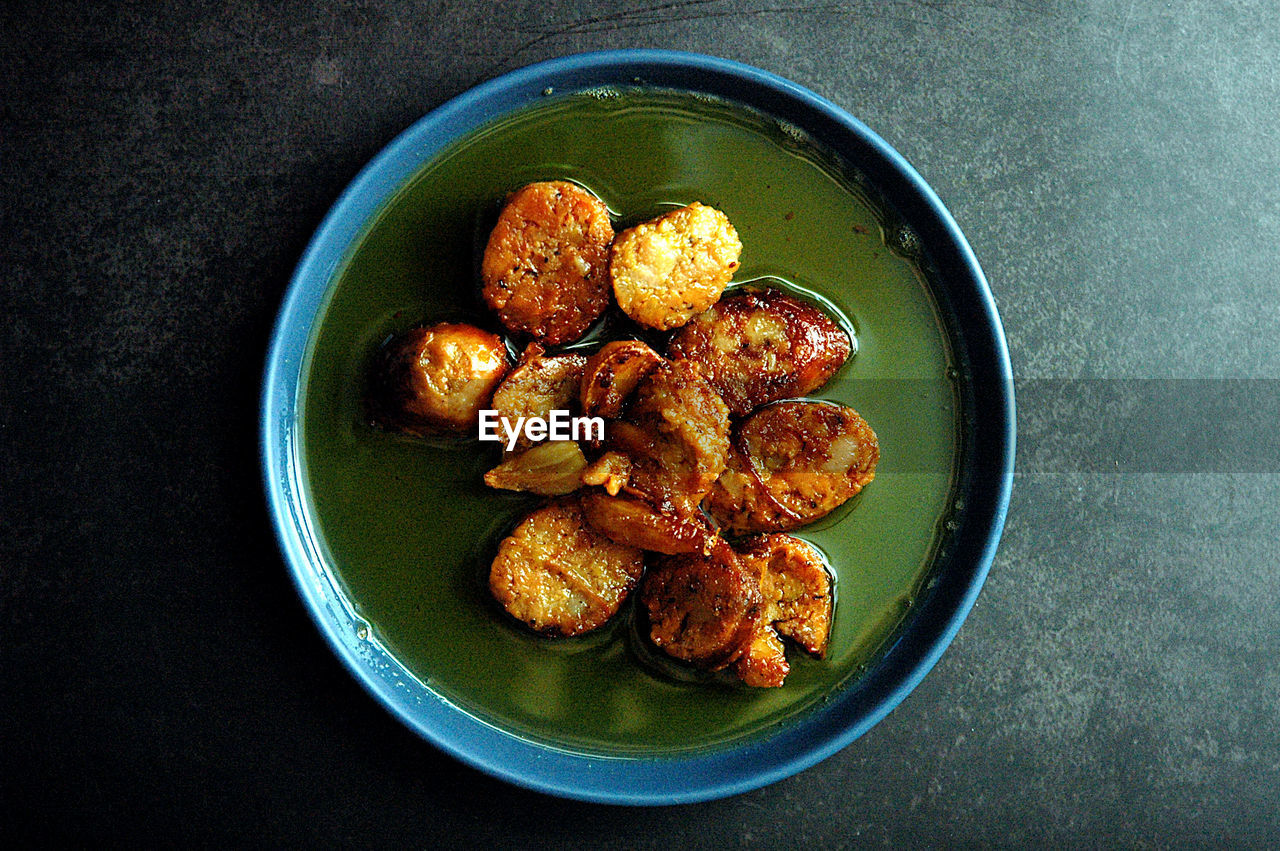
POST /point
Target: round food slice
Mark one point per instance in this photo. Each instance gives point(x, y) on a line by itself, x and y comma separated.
point(759, 347)
point(667, 269)
point(435, 379)
point(638, 524)
point(558, 575)
point(539, 384)
point(764, 662)
point(703, 609)
point(613, 373)
point(796, 588)
point(793, 463)
point(545, 266)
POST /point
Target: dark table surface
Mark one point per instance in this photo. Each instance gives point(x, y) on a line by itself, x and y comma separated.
point(1115, 166)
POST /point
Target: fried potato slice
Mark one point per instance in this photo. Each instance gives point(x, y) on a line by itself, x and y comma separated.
point(612, 374)
point(548, 469)
point(759, 347)
point(667, 269)
point(558, 575)
point(796, 588)
point(539, 384)
point(792, 463)
point(702, 609)
point(545, 268)
point(638, 524)
point(435, 378)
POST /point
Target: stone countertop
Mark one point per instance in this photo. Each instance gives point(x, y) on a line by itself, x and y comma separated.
point(1114, 166)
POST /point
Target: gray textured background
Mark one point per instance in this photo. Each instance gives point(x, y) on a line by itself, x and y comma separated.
point(161, 167)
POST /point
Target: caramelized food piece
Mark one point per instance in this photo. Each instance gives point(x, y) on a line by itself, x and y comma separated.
point(792, 463)
point(558, 575)
point(702, 609)
point(436, 378)
point(638, 524)
point(676, 435)
point(545, 267)
point(538, 385)
point(756, 348)
point(763, 663)
point(665, 270)
point(548, 469)
point(796, 588)
point(611, 470)
point(613, 373)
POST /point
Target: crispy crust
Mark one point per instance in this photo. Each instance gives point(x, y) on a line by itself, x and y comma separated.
point(756, 348)
point(702, 608)
point(558, 575)
point(435, 379)
point(612, 374)
point(669, 268)
point(792, 463)
point(545, 266)
point(796, 588)
point(539, 384)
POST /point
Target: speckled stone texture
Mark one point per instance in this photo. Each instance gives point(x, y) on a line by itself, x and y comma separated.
point(1115, 167)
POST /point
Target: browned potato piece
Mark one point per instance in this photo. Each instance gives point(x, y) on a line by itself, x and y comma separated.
point(665, 270)
point(435, 379)
point(613, 373)
point(792, 463)
point(548, 469)
point(796, 588)
point(764, 662)
point(638, 524)
point(677, 437)
point(702, 608)
point(756, 348)
point(558, 575)
point(544, 269)
point(538, 385)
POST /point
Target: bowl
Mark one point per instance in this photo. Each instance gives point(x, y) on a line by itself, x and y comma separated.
point(916, 227)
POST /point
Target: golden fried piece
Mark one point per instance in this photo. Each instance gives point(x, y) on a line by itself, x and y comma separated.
point(435, 379)
point(792, 463)
point(538, 385)
point(760, 347)
point(611, 471)
point(548, 469)
point(702, 609)
point(676, 435)
point(638, 524)
point(558, 575)
point(612, 374)
point(669, 268)
point(796, 588)
point(763, 663)
point(545, 266)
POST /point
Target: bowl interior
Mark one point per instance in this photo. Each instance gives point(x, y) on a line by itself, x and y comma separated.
point(789, 729)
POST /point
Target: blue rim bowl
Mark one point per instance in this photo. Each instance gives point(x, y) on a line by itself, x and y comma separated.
point(985, 479)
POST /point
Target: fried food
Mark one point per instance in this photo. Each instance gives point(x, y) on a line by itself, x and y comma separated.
point(558, 575)
point(548, 469)
point(545, 268)
point(796, 588)
point(612, 374)
point(538, 385)
point(434, 379)
point(669, 268)
point(763, 663)
point(792, 463)
point(759, 347)
point(636, 523)
point(702, 608)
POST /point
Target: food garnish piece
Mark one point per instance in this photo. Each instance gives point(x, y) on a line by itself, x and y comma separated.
point(703, 609)
point(792, 463)
point(539, 384)
point(545, 265)
point(436, 378)
point(759, 347)
point(548, 469)
point(612, 374)
point(558, 575)
point(636, 523)
point(667, 269)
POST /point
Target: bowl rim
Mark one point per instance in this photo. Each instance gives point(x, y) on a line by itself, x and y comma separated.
point(986, 477)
